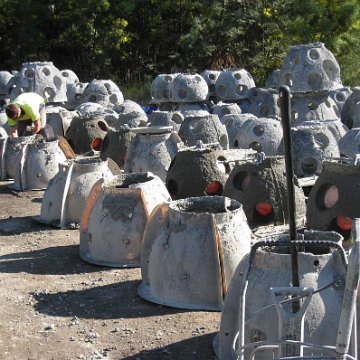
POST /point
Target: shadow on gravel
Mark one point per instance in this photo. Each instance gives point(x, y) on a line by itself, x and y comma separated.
point(57, 260)
point(194, 348)
point(118, 300)
point(20, 225)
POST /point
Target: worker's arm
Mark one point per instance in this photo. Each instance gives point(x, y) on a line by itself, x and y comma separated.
point(37, 126)
point(13, 132)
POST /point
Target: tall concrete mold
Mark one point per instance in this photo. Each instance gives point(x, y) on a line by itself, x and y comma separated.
point(42, 78)
point(209, 166)
point(10, 150)
point(249, 317)
point(115, 144)
point(36, 164)
point(151, 149)
point(59, 118)
point(84, 129)
point(114, 218)
point(65, 196)
point(262, 190)
point(191, 248)
point(332, 202)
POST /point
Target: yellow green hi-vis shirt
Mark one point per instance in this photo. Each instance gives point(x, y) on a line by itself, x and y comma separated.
point(30, 104)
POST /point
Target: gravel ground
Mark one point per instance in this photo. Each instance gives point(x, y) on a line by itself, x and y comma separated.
point(53, 305)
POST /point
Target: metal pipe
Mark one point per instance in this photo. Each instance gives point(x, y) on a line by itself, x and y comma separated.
point(285, 108)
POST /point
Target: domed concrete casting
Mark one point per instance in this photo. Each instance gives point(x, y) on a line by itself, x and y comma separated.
point(209, 166)
point(42, 78)
point(261, 189)
point(310, 68)
point(333, 202)
point(208, 129)
point(233, 84)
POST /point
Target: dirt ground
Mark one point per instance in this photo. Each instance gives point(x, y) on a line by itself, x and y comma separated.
point(53, 305)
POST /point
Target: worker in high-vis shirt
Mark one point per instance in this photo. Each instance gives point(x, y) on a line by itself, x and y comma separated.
point(28, 109)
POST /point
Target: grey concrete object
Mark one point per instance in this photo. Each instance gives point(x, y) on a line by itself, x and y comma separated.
point(313, 142)
point(349, 144)
point(188, 88)
point(42, 78)
point(313, 106)
point(210, 77)
point(263, 102)
point(310, 68)
point(166, 118)
point(221, 109)
point(88, 108)
point(161, 88)
point(255, 184)
point(128, 106)
point(37, 163)
point(83, 130)
point(340, 96)
point(261, 134)
point(350, 114)
point(273, 80)
point(59, 118)
point(115, 144)
point(5, 77)
point(74, 93)
point(319, 267)
point(3, 122)
point(152, 151)
point(208, 129)
point(65, 196)
point(190, 251)
point(10, 150)
point(70, 76)
point(192, 109)
point(114, 218)
point(132, 119)
point(3, 132)
point(233, 84)
point(209, 166)
point(233, 124)
point(333, 197)
point(104, 92)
